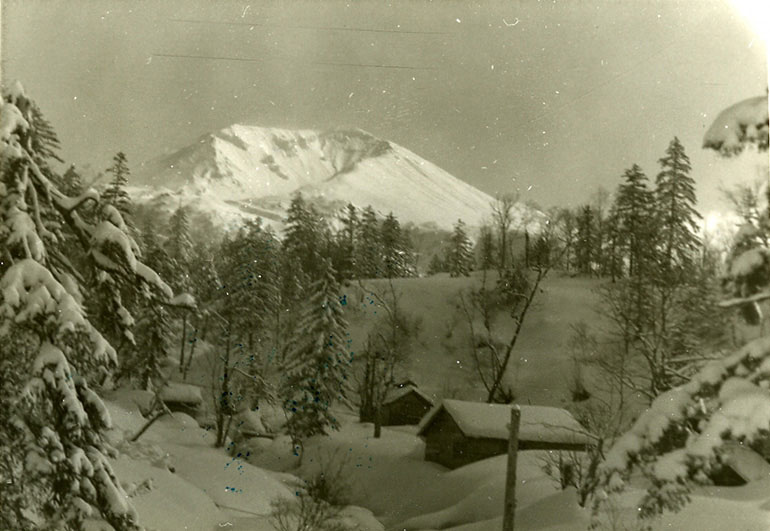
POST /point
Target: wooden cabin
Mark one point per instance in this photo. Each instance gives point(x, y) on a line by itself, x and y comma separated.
point(457, 432)
point(738, 465)
point(405, 405)
point(182, 397)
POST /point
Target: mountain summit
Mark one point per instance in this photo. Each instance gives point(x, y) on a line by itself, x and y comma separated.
point(243, 171)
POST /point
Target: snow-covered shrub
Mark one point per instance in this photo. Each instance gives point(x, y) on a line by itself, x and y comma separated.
point(54, 472)
point(319, 502)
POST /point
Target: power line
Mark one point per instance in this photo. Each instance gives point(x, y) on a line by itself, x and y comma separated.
point(322, 63)
point(301, 27)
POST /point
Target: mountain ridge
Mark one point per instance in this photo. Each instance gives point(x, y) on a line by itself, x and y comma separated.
point(241, 171)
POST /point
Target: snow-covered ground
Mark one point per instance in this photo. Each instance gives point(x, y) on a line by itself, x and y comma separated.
point(390, 477)
point(391, 486)
point(179, 481)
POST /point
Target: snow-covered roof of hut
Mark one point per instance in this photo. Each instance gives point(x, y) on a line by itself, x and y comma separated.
point(747, 463)
point(403, 390)
point(538, 423)
point(181, 393)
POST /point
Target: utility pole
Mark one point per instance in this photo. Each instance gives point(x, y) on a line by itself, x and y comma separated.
point(509, 509)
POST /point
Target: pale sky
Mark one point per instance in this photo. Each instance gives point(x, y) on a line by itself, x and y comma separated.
point(549, 98)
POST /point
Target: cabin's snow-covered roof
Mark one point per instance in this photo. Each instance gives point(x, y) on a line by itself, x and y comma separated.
point(538, 423)
point(181, 393)
point(747, 463)
point(402, 391)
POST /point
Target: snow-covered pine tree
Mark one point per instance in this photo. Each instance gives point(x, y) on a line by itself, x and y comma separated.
point(394, 250)
point(318, 360)
point(71, 183)
point(55, 472)
point(115, 194)
point(153, 329)
point(369, 248)
point(249, 271)
point(459, 258)
point(179, 244)
point(677, 217)
point(345, 255)
point(301, 247)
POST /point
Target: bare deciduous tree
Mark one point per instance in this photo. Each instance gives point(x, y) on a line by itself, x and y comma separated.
point(491, 354)
point(387, 349)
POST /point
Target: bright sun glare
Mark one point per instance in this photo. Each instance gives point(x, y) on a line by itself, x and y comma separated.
point(756, 13)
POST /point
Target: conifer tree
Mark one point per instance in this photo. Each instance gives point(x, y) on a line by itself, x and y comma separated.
point(345, 256)
point(395, 248)
point(585, 242)
point(540, 256)
point(317, 362)
point(635, 209)
point(249, 271)
point(486, 252)
point(115, 194)
point(54, 470)
point(180, 246)
point(677, 216)
point(299, 248)
point(613, 263)
point(369, 248)
point(153, 329)
point(460, 255)
point(71, 183)
point(436, 265)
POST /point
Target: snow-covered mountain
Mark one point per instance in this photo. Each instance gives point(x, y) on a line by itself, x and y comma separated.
point(244, 171)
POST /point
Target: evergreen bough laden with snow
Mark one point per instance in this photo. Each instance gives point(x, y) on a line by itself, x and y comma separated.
point(317, 363)
point(54, 472)
point(678, 440)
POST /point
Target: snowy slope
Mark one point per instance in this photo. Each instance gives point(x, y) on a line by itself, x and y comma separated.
point(243, 171)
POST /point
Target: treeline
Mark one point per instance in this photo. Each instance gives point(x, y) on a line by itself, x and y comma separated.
point(663, 279)
point(640, 226)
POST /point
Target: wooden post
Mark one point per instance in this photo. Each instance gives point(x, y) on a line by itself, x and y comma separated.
point(509, 510)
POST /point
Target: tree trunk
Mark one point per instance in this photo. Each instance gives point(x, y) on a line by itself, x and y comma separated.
point(224, 405)
point(190, 356)
point(158, 414)
point(181, 347)
point(378, 422)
